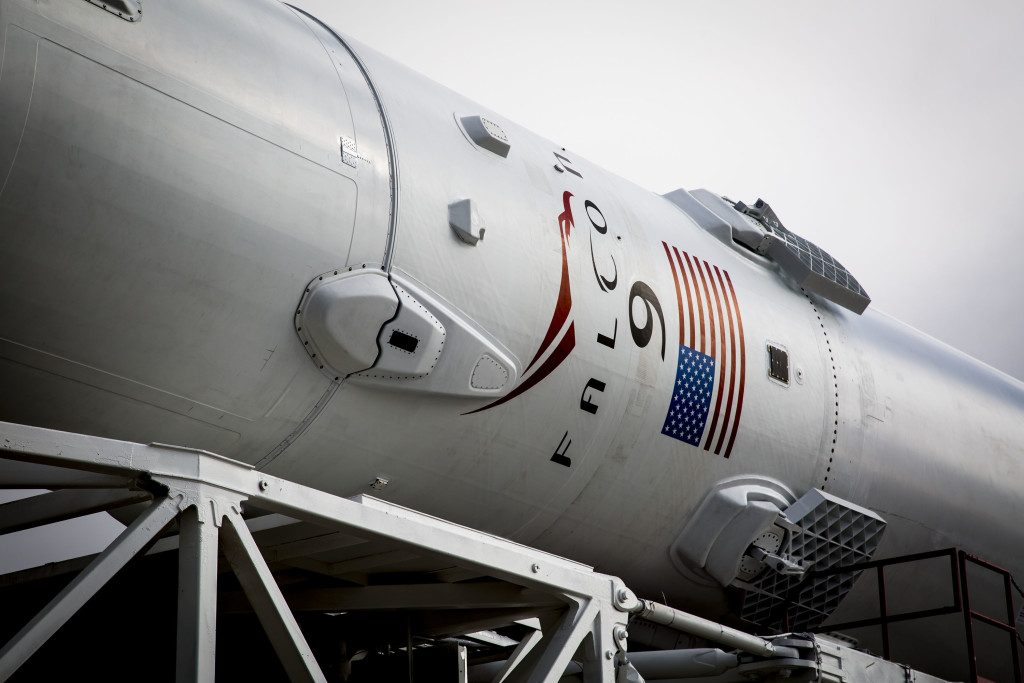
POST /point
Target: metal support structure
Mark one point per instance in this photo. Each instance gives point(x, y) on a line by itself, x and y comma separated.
point(884, 618)
point(883, 610)
point(262, 590)
point(583, 614)
point(703, 628)
point(970, 615)
point(958, 560)
point(28, 513)
point(563, 634)
point(30, 475)
point(206, 492)
point(524, 648)
point(138, 534)
point(197, 597)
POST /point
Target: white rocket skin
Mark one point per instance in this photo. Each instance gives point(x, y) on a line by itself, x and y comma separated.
point(168, 199)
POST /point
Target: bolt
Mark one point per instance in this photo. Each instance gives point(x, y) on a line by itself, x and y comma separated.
point(608, 654)
point(264, 485)
point(535, 568)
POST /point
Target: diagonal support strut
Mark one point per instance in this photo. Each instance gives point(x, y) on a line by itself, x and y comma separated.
point(131, 541)
point(268, 602)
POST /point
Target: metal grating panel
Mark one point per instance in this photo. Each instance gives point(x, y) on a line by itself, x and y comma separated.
point(813, 268)
point(824, 532)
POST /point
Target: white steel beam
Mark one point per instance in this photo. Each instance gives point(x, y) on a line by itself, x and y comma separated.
point(494, 556)
point(431, 596)
point(132, 540)
point(525, 646)
point(29, 475)
point(445, 624)
point(47, 508)
point(547, 661)
point(602, 648)
point(197, 597)
point(262, 590)
point(598, 603)
point(407, 528)
point(331, 541)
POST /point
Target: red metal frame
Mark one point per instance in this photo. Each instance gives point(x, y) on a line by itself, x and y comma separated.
point(970, 615)
point(961, 603)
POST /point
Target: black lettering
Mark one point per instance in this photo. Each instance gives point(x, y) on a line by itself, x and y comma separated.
point(559, 456)
point(602, 228)
point(609, 341)
point(585, 402)
point(642, 335)
point(567, 165)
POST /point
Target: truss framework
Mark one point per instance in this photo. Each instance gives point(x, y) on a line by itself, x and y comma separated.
point(583, 613)
point(481, 581)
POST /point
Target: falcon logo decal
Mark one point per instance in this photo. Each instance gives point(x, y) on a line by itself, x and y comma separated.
point(561, 327)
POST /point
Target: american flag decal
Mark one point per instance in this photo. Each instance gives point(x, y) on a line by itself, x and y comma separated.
point(707, 396)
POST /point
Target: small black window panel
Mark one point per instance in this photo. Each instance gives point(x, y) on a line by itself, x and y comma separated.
point(778, 363)
point(403, 341)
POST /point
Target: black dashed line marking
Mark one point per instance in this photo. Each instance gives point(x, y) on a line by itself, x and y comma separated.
point(835, 389)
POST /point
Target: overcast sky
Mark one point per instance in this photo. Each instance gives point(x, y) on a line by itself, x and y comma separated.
point(890, 133)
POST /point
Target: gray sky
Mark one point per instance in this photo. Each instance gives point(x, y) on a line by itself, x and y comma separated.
point(887, 132)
